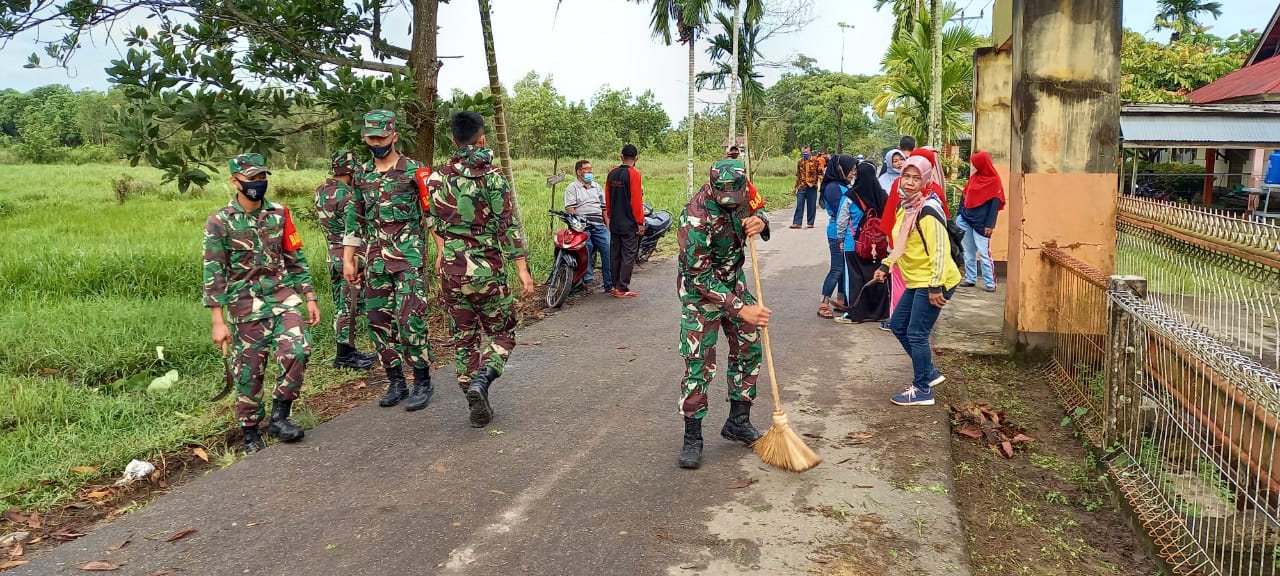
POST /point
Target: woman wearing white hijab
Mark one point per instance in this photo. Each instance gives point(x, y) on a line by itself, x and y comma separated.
point(893, 161)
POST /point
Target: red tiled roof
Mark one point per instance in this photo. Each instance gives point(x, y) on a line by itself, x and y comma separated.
point(1261, 78)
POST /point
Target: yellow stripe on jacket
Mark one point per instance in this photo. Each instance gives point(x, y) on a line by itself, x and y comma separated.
point(931, 266)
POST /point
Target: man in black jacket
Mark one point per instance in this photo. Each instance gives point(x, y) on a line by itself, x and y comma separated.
point(624, 210)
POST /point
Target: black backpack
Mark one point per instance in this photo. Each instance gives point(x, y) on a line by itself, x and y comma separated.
point(954, 234)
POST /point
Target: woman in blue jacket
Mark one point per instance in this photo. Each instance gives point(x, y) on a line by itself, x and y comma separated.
point(861, 205)
point(835, 181)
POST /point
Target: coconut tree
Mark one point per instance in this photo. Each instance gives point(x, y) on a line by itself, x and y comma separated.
point(1182, 16)
point(905, 14)
point(742, 69)
point(754, 12)
point(499, 110)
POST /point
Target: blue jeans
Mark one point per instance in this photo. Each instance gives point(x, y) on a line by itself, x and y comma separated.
point(836, 273)
point(598, 244)
point(977, 255)
point(912, 322)
point(806, 199)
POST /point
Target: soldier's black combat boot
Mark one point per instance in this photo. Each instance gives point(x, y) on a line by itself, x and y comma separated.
point(396, 388)
point(252, 439)
point(349, 357)
point(280, 426)
point(691, 452)
point(421, 394)
point(478, 397)
point(738, 427)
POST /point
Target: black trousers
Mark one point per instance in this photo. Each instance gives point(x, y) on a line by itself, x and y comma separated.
point(623, 249)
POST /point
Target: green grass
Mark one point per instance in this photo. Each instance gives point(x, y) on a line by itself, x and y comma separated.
point(90, 287)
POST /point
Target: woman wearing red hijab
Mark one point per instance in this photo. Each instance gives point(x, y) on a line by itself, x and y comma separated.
point(983, 199)
point(936, 185)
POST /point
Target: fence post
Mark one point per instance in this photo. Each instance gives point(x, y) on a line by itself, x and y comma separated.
point(1126, 358)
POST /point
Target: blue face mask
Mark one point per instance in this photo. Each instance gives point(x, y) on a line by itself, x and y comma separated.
point(255, 191)
point(588, 177)
point(805, 156)
point(381, 151)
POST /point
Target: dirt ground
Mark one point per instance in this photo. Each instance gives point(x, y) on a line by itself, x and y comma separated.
point(1047, 511)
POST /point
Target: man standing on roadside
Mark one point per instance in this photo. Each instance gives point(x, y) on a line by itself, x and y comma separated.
point(256, 274)
point(585, 198)
point(624, 209)
point(808, 174)
point(714, 229)
point(332, 198)
point(385, 218)
point(476, 235)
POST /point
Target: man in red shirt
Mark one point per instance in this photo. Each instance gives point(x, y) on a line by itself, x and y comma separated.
point(624, 214)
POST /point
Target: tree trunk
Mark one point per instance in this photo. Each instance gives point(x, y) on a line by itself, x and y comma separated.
point(935, 79)
point(689, 123)
point(733, 80)
point(426, 72)
point(499, 111)
point(746, 132)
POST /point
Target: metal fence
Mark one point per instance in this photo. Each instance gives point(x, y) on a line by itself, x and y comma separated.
point(1188, 425)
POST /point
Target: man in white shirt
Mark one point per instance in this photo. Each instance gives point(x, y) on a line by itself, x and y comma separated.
point(585, 198)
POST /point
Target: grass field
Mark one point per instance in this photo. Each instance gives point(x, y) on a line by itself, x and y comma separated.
point(90, 287)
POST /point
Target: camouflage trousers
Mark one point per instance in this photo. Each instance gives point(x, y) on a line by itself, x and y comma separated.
point(347, 304)
point(396, 304)
point(700, 325)
point(482, 323)
point(250, 343)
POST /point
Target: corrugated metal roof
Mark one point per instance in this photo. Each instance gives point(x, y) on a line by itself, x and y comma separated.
point(1190, 125)
point(1261, 78)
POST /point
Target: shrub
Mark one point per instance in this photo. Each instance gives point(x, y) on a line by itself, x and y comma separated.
point(1173, 176)
point(125, 187)
point(90, 154)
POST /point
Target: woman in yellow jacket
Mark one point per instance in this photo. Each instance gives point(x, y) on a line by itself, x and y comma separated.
point(922, 251)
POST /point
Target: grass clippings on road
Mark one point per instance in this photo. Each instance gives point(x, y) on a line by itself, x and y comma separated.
point(1047, 510)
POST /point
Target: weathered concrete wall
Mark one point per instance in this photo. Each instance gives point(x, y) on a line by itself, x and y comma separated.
point(993, 91)
point(1064, 142)
point(1002, 23)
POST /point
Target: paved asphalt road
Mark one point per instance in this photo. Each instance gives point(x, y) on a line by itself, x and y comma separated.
point(577, 475)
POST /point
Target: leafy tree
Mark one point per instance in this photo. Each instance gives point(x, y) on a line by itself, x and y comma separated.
point(638, 120)
point(1155, 72)
point(221, 72)
point(907, 84)
point(817, 109)
point(905, 14)
point(1182, 16)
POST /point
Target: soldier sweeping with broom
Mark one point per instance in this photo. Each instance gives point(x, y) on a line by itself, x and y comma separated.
point(714, 229)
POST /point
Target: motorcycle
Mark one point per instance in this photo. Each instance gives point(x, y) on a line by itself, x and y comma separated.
point(570, 263)
point(656, 225)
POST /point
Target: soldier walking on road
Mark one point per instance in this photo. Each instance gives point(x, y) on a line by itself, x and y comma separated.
point(476, 234)
point(386, 219)
point(714, 228)
point(332, 198)
point(256, 274)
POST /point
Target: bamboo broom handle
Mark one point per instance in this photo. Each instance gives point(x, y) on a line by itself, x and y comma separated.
point(768, 350)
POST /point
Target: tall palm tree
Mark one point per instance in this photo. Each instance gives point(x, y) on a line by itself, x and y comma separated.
point(499, 109)
point(905, 14)
point(742, 69)
point(755, 11)
point(1182, 16)
point(907, 89)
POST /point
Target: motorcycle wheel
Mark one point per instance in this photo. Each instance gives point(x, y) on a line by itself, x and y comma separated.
point(558, 286)
point(645, 253)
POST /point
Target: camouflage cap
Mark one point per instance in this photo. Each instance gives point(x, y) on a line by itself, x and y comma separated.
point(728, 175)
point(379, 123)
point(344, 162)
point(248, 165)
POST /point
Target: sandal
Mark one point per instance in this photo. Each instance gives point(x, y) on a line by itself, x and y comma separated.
point(837, 304)
point(825, 312)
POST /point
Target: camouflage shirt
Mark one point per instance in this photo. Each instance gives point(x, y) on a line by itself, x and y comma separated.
point(247, 269)
point(473, 212)
point(712, 250)
point(332, 199)
point(385, 214)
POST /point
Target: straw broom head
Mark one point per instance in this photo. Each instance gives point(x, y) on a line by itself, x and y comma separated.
point(780, 447)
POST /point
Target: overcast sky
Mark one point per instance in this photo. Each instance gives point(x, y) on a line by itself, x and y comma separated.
point(596, 42)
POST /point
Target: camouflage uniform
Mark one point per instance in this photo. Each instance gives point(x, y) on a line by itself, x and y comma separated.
point(255, 270)
point(473, 212)
point(712, 290)
point(386, 217)
point(332, 199)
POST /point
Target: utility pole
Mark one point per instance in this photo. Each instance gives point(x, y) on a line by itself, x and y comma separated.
point(733, 82)
point(935, 79)
point(843, 27)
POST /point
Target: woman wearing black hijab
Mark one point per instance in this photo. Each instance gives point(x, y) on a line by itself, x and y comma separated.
point(834, 183)
point(859, 212)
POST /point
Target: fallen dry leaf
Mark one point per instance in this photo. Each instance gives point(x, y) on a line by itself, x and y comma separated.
point(499, 492)
point(98, 494)
point(120, 545)
point(1022, 438)
point(16, 516)
point(36, 540)
point(741, 484)
point(16, 551)
point(163, 572)
point(181, 534)
point(440, 468)
point(970, 431)
point(624, 347)
point(200, 453)
point(812, 435)
point(68, 536)
point(85, 470)
point(99, 566)
point(13, 538)
point(12, 564)
point(531, 343)
point(34, 521)
point(860, 435)
point(360, 385)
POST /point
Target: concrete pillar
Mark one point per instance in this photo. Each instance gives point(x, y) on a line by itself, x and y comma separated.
point(1210, 160)
point(993, 90)
point(1064, 142)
